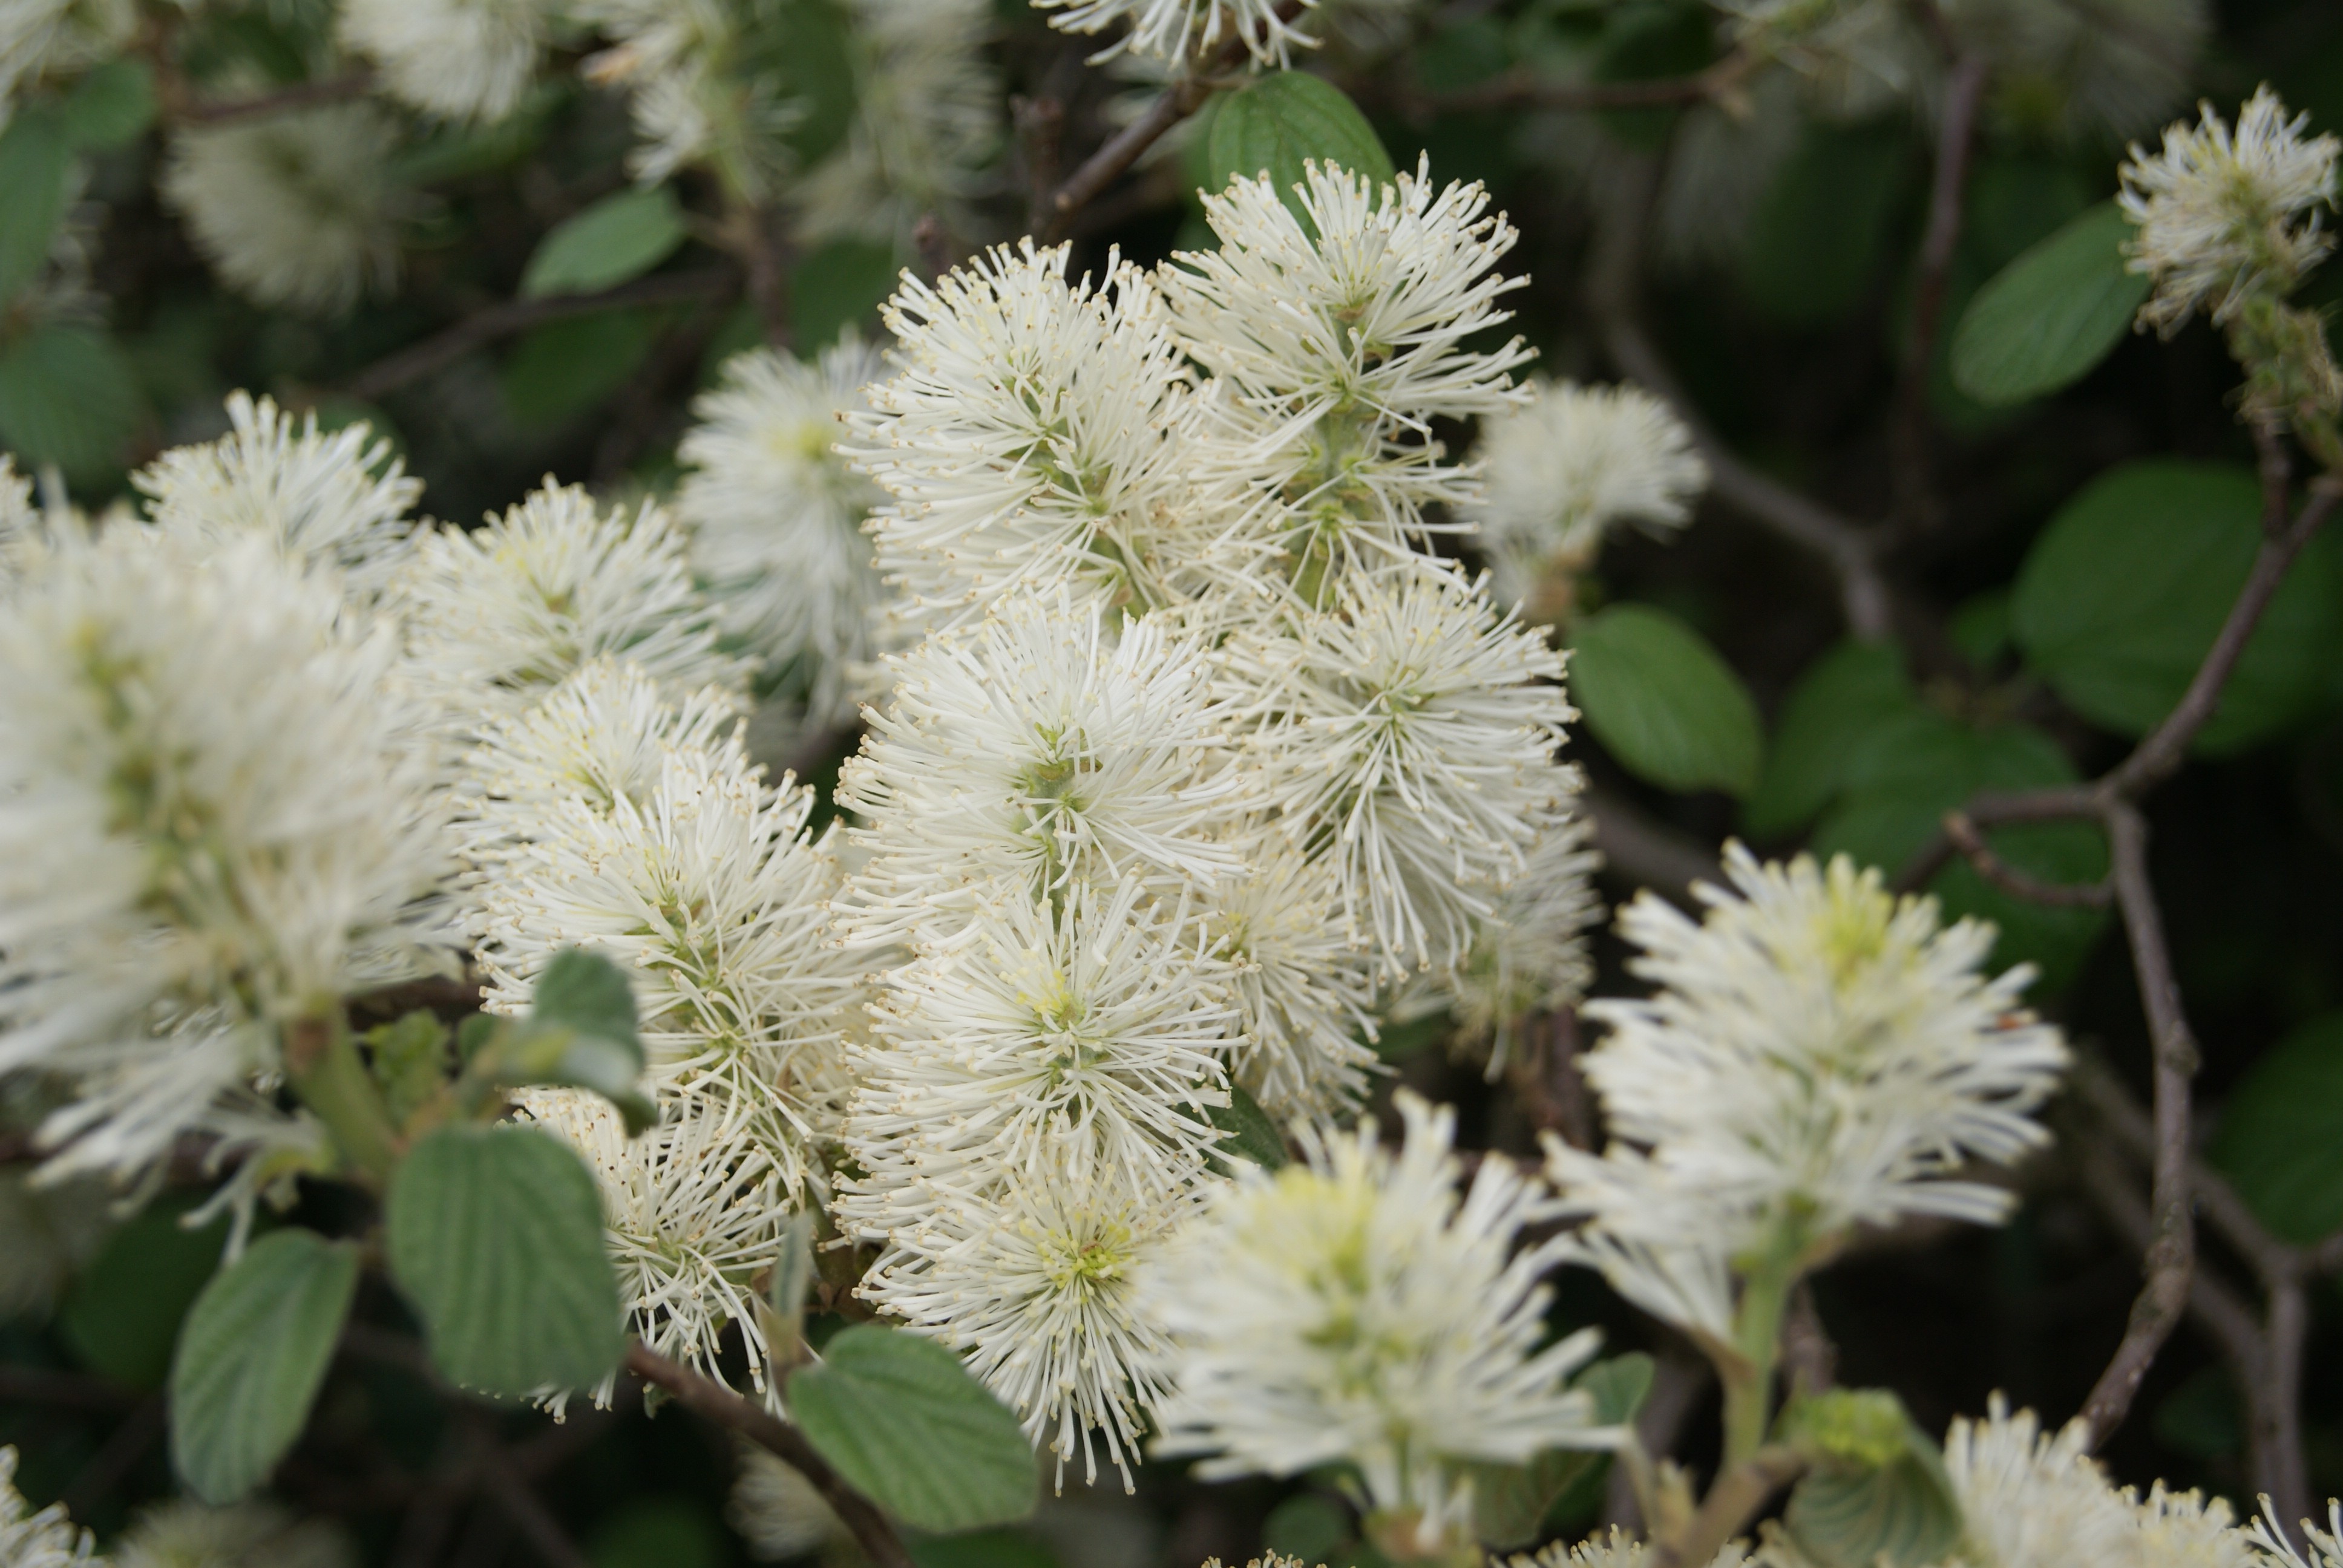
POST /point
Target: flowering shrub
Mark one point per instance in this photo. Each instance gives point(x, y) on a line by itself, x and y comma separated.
point(904, 909)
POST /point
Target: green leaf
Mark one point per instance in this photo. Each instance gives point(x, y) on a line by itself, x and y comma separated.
point(1842, 696)
point(618, 238)
point(2279, 1139)
point(659, 1532)
point(1821, 234)
point(1907, 772)
point(903, 1421)
point(1979, 628)
point(982, 1549)
point(1308, 1526)
point(409, 1060)
point(591, 994)
point(251, 1359)
point(1664, 703)
point(495, 1233)
point(1278, 122)
point(1511, 1501)
point(122, 1316)
point(839, 286)
point(1901, 1514)
point(110, 106)
point(67, 396)
point(2048, 318)
point(34, 153)
point(563, 368)
point(2122, 596)
point(1248, 1131)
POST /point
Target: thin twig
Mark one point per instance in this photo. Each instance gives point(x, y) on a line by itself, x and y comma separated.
point(477, 331)
point(1647, 851)
point(1947, 204)
point(713, 1402)
point(1970, 842)
point(299, 95)
point(2172, 1248)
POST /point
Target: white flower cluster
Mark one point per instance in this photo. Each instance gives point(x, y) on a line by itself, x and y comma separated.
point(42, 1539)
point(2220, 214)
point(457, 59)
point(41, 37)
point(1202, 753)
point(1569, 467)
point(1821, 1054)
point(1176, 30)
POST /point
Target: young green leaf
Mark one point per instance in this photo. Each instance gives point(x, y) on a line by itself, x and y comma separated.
point(2048, 318)
point(1842, 696)
point(618, 238)
point(1876, 1493)
point(1249, 1134)
point(591, 994)
point(2279, 1139)
point(122, 1315)
point(2122, 595)
point(34, 152)
point(111, 106)
point(67, 396)
point(252, 1356)
point(903, 1421)
point(1278, 122)
point(495, 1233)
point(1664, 703)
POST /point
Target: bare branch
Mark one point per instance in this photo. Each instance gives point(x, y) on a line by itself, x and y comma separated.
point(1957, 141)
point(713, 1402)
point(1963, 835)
point(1647, 851)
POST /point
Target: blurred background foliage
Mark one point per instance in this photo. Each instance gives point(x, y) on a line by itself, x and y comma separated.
point(2060, 564)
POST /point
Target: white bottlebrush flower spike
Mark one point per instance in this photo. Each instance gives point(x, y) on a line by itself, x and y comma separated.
point(299, 209)
point(1303, 988)
point(710, 897)
point(1173, 30)
point(775, 517)
point(1333, 347)
point(1034, 749)
point(215, 820)
point(1355, 1310)
point(338, 497)
point(1561, 471)
point(457, 59)
point(495, 616)
point(1032, 439)
point(2219, 213)
point(1821, 1054)
point(184, 1534)
point(1416, 730)
point(1529, 954)
point(1035, 1279)
point(42, 1538)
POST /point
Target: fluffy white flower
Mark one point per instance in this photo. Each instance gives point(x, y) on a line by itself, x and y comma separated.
point(20, 518)
point(1095, 1025)
point(459, 59)
point(926, 112)
point(1032, 748)
point(1032, 439)
point(334, 496)
point(1034, 1279)
point(2219, 215)
point(1821, 1054)
point(299, 209)
point(1173, 30)
point(776, 1509)
point(1564, 469)
point(701, 86)
point(1410, 731)
point(599, 738)
point(1353, 1309)
point(39, 38)
point(1529, 955)
point(709, 896)
point(213, 819)
point(776, 516)
point(495, 616)
point(43, 1539)
point(694, 1210)
point(1303, 988)
point(184, 1534)
point(2326, 1545)
point(1333, 347)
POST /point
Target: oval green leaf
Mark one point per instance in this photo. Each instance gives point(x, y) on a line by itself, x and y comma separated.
point(1278, 123)
point(122, 1315)
point(588, 992)
point(34, 153)
point(495, 1233)
point(1664, 703)
point(251, 1358)
point(618, 238)
point(67, 396)
point(2279, 1139)
point(1841, 697)
point(1247, 1131)
point(1900, 1515)
point(111, 106)
point(903, 1421)
point(2048, 318)
point(2120, 599)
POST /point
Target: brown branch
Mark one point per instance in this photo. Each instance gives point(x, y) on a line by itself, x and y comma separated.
point(1647, 851)
point(284, 100)
point(2172, 1248)
point(1956, 144)
point(477, 331)
point(1040, 139)
point(713, 1402)
point(1612, 273)
point(1963, 835)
